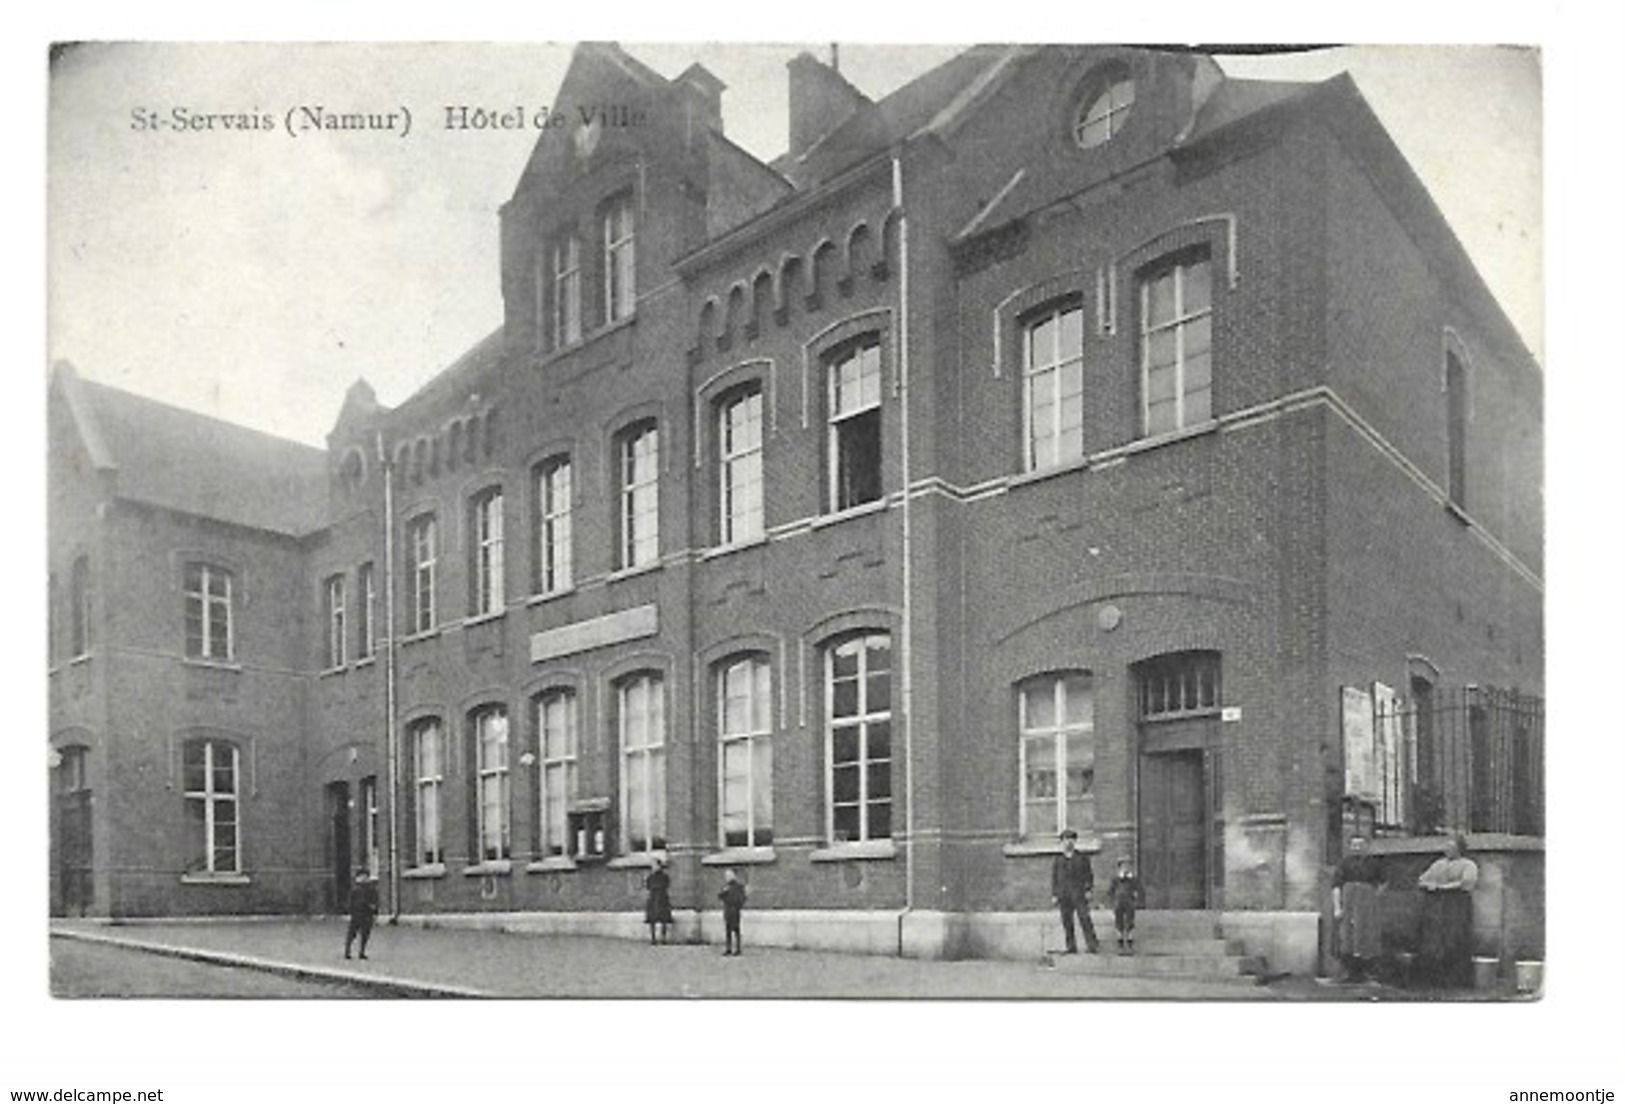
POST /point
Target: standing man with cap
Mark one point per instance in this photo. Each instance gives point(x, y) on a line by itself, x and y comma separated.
point(1072, 882)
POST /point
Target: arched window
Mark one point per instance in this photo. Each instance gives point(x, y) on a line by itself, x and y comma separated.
point(486, 566)
point(427, 746)
point(739, 464)
point(557, 741)
point(638, 490)
point(489, 726)
point(79, 625)
point(1176, 342)
point(854, 424)
point(744, 688)
point(641, 718)
point(1052, 384)
point(210, 784)
point(553, 525)
point(620, 264)
point(208, 612)
point(858, 711)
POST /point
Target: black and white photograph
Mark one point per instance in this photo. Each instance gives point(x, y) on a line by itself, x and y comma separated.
point(845, 526)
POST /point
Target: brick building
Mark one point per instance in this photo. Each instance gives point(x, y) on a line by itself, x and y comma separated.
point(1055, 442)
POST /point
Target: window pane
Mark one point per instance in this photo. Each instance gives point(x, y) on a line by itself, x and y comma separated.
point(1198, 336)
point(1041, 818)
point(880, 820)
point(845, 698)
point(1043, 341)
point(879, 781)
point(1040, 704)
point(1079, 699)
point(1159, 297)
point(879, 740)
point(1159, 418)
point(1162, 351)
point(1198, 287)
point(846, 822)
point(1071, 333)
point(845, 661)
point(877, 697)
point(844, 745)
point(762, 788)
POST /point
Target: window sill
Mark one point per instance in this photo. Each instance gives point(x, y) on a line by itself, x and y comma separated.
point(366, 661)
point(595, 334)
point(850, 512)
point(729, 549)
point(215, 879)
point(549, 596)
point(1200, 429)
point(642, 861)
point(502, 867)
point(632, 572)
point(213, 664)
point(740, 856)
point(474, 619)
point(329, 672)
point(553, 864)
point(1038, 475)
point(418, 638)
point(1025, 847)
point(83, 657)
point(428, 870)
point(865, 851)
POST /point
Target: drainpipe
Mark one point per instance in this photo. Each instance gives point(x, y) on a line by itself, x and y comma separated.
point(392, 751)
point(905, 651)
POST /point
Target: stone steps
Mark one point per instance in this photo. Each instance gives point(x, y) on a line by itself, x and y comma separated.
point(1166, 944)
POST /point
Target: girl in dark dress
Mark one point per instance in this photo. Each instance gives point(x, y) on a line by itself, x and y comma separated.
point(1354, 906)
point(657, 910)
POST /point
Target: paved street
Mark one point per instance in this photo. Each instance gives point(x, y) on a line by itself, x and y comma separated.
point(410, 960)
point(81, 969)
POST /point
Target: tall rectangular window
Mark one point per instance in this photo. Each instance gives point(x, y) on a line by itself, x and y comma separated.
point(79, 613)
point(335, 621)
point(1052, 372)
point(208, 612)
point(642, 718)
point(1176, 345)
point(566, 291)
point(366, 642)
point(556, 734)
point(1057, 721)
point(745, 733)
point(739, 438)
point(640, 496)
point(209, 781)
point(854, 425)
point(553, 530)
point(485, 526)
point(421, 555)
point(369, 823)
point(857, 689)
point(620, 266)
point(491, 777)
point(1455, 393)
point(429, 775)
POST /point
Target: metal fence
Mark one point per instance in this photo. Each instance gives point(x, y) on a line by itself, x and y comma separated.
point(1469, 758)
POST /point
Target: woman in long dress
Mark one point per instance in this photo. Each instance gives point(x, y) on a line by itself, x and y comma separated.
point(657, 909)
point(1355, 886)
point(1446, 957)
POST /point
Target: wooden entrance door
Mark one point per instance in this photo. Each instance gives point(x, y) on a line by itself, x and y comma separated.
point(1173, 830)
point(338, 817)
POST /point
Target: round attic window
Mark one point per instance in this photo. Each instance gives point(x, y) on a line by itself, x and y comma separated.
point(1105, 110)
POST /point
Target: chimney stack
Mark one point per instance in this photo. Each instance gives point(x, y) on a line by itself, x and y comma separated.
point(820, 100)
point(702, 92)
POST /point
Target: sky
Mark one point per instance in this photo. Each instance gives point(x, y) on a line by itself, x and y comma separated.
point(254, 276)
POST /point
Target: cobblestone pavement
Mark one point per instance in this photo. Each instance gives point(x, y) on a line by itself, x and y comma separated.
point(413, 960)
point(80, 969)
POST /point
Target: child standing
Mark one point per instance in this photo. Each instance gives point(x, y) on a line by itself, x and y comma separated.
point(733, 904)
point(1126, 895)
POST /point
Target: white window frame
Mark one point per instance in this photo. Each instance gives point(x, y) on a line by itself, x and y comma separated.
point(554, 535)
point(753, 736)
point(422, 539)
point(336, 641)
point(369, 822)
point(557, 740)
point(639, 495)
point(739, 469)
point(1105, 114)
point(865, 718)
point(493, 783)
point(429, 768)
point(213, 800)
point(620, 260)
point(1179, 325)
point(487, 596)
point(643, 756)
point(212, 610)
point(847, 404)
point(566, 291)
point(1071, 740)
point(1045, 374)
point(367, 631)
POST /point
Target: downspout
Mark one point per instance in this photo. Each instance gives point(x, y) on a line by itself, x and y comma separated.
point(905, 649)
point(392, 751)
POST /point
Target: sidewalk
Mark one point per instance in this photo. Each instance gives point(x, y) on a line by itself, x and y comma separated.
point(409, 960)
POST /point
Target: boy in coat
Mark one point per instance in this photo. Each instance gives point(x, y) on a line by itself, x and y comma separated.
point(363, 908)
point(1126, 895)
point(733, 904)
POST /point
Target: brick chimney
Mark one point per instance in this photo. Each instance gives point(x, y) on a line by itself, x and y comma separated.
point(820, 100)
point(702, 93)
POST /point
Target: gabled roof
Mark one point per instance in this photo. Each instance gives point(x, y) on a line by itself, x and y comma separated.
point(165, 456)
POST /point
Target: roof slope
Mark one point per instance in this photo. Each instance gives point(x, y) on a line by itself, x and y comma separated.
point(200, 465)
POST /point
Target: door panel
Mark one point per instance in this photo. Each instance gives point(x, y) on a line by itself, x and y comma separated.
point(1173, 830)
point(338, 843)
